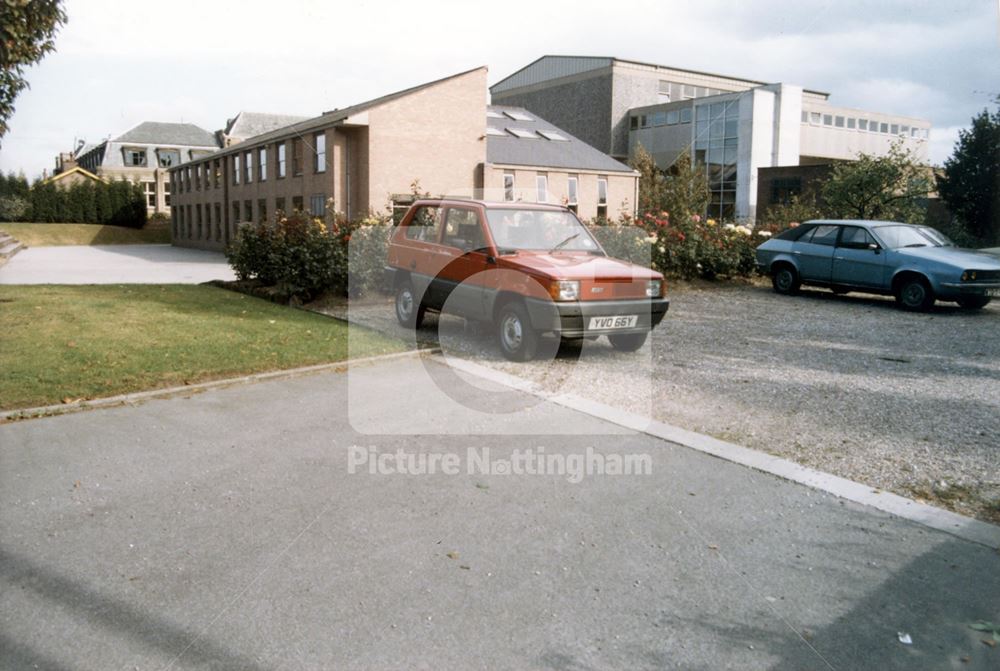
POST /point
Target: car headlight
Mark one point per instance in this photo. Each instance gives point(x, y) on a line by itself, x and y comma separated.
point(565, 290)
point(654, 288)
point(969, 276)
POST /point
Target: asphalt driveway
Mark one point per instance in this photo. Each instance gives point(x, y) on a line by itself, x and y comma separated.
point(223, 531)
point(115, 264)
point(849, 385)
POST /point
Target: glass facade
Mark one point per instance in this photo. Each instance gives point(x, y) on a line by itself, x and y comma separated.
point(715, 147)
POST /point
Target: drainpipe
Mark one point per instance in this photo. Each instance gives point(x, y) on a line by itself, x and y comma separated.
point(347, 174)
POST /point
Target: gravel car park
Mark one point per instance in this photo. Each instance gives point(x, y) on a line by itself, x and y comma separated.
point(906, 402)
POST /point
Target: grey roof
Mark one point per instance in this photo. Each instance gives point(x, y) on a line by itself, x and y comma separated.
point(572, 154)
point(159, 133)
point(553, 66)
point(249, 124)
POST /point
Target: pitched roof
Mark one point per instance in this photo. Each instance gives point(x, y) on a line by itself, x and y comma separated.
point(250, 124)
point(75, 169)
point(542, 146)
point(337, 115)
point(156, 132)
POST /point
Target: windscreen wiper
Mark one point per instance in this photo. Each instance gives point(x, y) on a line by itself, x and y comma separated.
point(565, 242)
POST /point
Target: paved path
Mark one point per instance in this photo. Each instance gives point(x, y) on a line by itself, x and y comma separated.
point(224, 531)
point(115, 264)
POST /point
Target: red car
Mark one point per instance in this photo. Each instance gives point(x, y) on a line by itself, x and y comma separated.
point(526, 269)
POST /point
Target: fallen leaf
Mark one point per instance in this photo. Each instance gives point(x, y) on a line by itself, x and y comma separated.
point(76, 485)
point(464, 566)
point(481, 485)
point(964, 660)
point(990, 642)
point(713, 547)
point(904, 638)
point(452, 555)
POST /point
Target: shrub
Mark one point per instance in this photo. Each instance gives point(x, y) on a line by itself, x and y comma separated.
point(368, 242)
point(14, 208)
point(688, 248)
point(295, 254)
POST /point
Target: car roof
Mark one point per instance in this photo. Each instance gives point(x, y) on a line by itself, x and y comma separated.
point(864, 223)
point(517, 205)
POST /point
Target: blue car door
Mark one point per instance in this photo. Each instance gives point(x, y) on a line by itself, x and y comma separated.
point(856, 262)
point(815, 253)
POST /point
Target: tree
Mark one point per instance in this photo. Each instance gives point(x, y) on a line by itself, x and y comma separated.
point(27, 33)
point(971, 181)
point(892, 187)
point(652, 183)
point(685, 191)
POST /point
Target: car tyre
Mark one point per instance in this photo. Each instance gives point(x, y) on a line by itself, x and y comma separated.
point(409, 312)
point(628, 342)
point(517, 339)
point(785, 280)
point(915, 294)
point(973, 302)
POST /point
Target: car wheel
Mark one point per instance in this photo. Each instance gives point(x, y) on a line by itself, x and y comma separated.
point(785, 280)
point(973, 302)
point(409, 312)
point(518, 341)
point(628, 342)
point(915, 294)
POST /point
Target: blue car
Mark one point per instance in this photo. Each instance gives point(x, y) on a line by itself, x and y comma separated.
point(916, 264)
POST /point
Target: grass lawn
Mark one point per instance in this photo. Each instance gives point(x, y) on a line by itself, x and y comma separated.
point(46, 235)
point(72, 342)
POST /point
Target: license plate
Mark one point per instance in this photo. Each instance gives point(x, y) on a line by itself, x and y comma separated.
point(993, 293)
point(619, 322)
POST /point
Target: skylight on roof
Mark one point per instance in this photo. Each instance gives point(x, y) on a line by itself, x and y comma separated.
point(518, 116)
point(490, 114)
point(499, 132)
point(523, 133)
point(553, 135)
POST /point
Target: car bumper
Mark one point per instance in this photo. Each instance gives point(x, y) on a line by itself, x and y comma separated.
point(958, 289)
point(572, 319)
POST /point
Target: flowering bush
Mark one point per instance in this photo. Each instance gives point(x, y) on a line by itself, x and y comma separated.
point(688, 248)
point(300, 256)
point(296, 254)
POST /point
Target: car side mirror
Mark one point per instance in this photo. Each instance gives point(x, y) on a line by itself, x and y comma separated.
point(874, 247)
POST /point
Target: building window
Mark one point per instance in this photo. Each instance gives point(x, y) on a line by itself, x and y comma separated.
point(838, 122)
point(542, 188)
point(673, 116)
point(296, 157)
point(236, 169)
point(715, 148)
point(149, 188)
point(320, 165)
point(168, 157)
point(262, 164)
point(686, 115)
point(863, 124)
point(827, 119)
point(248, 157)
point(572, 192)
point(166, 193)
point(281, 159)
point(236, 211)
point(851, 123)
point(894, 129)
point(279, 205)
point(805, 116)
point(688, 92)
point(602, 197)
point(508, 187)
point(883, 128)
point(262, 210)
point(135, 157)
point(317, 205)
point(296, 203)
point(664, 91)
point(784, 189)
point(247, 210)
point(633, 123)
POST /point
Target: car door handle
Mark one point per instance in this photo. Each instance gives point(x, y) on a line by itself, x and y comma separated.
point(797, 253)
point(840, 258)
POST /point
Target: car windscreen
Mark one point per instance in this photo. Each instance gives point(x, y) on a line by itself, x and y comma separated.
point(897, 237)
point(539, 230)
point(937, 237)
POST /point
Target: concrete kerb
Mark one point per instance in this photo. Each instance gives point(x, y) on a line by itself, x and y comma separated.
point(939, 519)
point(142, 396)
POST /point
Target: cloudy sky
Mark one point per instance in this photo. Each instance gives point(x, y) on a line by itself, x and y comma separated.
point(118, 63)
